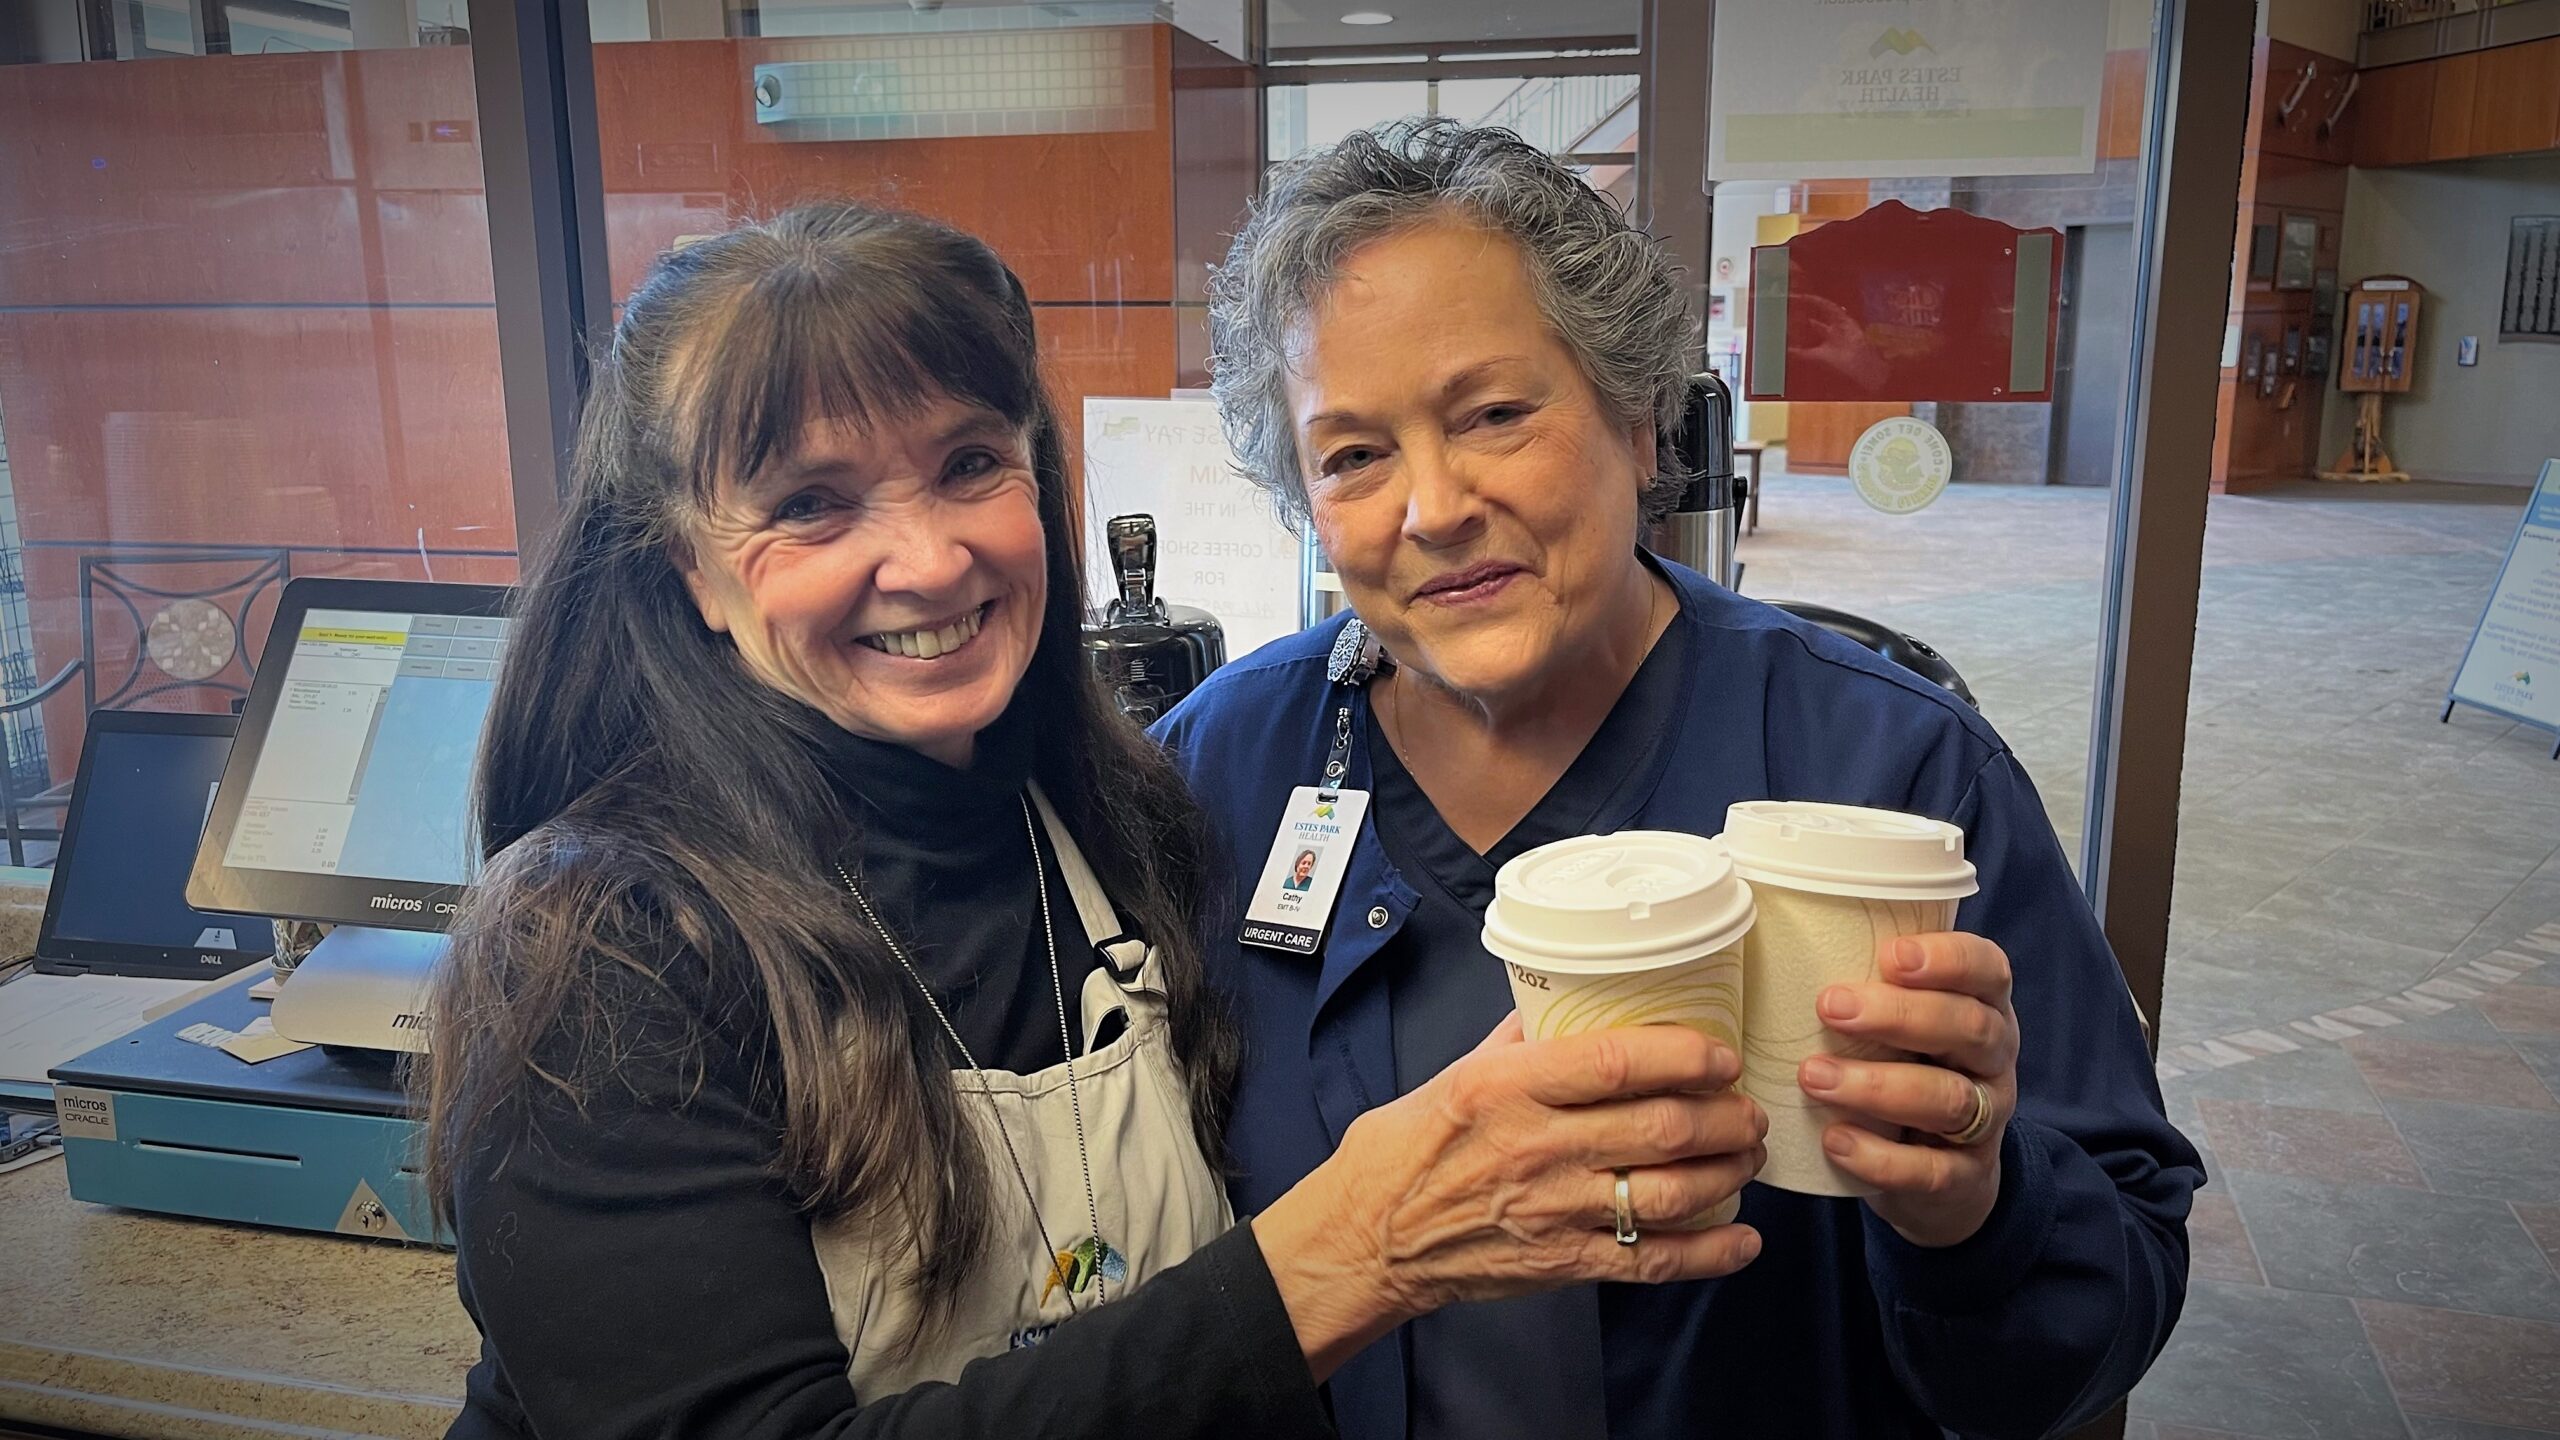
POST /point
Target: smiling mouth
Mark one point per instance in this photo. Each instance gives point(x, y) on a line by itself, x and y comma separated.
point(1467, 584)
point(931, 642)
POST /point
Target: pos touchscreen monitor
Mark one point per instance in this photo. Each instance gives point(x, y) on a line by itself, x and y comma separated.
point(347, 796)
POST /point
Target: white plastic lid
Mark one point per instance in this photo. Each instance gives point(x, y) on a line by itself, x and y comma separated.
point(1632, 900)
point(1848, 850)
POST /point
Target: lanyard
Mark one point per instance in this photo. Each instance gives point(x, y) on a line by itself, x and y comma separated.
point(1292, 900)
point(1357, 657)
point(1338, 763)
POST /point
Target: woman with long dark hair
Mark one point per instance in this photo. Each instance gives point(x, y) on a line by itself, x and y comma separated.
point(824, 1050)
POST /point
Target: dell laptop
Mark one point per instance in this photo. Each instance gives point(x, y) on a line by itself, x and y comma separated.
point(118, 901)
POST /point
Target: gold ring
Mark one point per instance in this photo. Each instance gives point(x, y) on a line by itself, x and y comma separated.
point(1626, 1209)
point(1980, 1124)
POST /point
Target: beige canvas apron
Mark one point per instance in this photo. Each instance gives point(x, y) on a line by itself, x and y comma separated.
point(1158, 1198)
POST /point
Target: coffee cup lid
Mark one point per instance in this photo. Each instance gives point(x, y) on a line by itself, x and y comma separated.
point(1615, 902)
point(1848, 850)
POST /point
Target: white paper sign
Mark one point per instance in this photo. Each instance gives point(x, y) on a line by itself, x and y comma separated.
point(1218, 544)
point(1859, 89)
point(2513, 663)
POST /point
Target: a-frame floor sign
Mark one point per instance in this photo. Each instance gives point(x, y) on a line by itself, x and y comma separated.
point(2512, 665)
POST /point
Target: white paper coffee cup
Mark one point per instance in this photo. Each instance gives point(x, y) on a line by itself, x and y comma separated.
point(1832, 884)
point(1644, 927)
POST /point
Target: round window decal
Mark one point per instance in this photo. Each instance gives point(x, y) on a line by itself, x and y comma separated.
point(1901, 464)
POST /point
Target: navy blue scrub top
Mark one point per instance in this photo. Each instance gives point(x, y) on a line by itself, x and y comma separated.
point(1529, 1365)
point(1841, 1329)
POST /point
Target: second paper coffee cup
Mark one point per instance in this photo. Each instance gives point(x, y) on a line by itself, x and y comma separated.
point(1643, 927)
point(1832, 884)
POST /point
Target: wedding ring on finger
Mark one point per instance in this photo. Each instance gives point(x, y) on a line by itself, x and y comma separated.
point(1980, 1125)
point(1626, 1208)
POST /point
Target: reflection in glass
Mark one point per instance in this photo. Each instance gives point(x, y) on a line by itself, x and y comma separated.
point(1560, 114)
point(1300, 28)
point(2003, 573)
point(1103, 158)
point(246, 333)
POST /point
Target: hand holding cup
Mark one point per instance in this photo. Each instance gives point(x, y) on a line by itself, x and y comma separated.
point(1942, 999)
point(1837, 887)
point(1495, 1178)
point(1640, 927)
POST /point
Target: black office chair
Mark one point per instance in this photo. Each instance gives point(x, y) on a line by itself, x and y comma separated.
point(1700, 533)
point(1907, 651)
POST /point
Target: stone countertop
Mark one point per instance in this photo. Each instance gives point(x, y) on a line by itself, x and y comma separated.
point(119, 1323)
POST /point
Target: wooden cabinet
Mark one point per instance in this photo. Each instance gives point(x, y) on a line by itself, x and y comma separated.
point(2457, 85)
point(1818, 200)
point(2123, 104)
point(2504, 101)
point(1820, 435)
point(2516, 106)
point(2396, 108)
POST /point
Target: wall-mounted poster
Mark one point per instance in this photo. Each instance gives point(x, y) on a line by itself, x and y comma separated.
point(2262, 254)
point(2531, 307)
point(1904, 304)
point(2298, 256)
point(1883, 89)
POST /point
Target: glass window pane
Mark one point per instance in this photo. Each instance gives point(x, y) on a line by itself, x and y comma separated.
point(1479, 100)
point(1103, 153)
point(2004, 572)
point(246, 333)
point(1525, 24)
point(1561, 114)
point(1310, 117)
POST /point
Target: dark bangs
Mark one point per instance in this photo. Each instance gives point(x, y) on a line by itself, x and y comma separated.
point(864, 321)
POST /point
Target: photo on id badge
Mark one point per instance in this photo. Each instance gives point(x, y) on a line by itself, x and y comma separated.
point(1308, 855)
point(1302, 872)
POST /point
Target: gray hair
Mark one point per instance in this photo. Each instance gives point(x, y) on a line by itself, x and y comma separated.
point(1606, 288)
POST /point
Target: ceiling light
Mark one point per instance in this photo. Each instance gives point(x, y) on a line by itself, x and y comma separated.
point(1368, 17)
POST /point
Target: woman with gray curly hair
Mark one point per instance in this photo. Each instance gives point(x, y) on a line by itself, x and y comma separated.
point(1460, 365)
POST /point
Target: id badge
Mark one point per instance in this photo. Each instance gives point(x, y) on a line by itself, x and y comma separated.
point(1309, 856)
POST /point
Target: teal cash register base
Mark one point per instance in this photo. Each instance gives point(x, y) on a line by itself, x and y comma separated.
point(307, 1141)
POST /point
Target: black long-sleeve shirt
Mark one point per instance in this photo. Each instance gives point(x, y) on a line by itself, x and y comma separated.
point(638, 1268)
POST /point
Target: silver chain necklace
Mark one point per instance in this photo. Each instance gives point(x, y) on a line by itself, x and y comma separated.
point(1056, 1261)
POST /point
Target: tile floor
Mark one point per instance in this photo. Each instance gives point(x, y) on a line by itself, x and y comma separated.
point(2355, 1030)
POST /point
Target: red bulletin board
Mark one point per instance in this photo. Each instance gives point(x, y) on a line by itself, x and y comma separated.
point(1904, 304)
